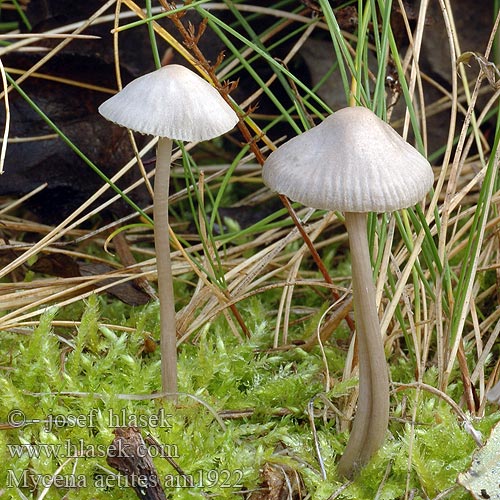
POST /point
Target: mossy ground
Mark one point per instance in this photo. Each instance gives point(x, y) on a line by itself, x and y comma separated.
point(81, 383)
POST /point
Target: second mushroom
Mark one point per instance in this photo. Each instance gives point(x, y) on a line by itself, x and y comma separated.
point(172, 103)
point(355, 163)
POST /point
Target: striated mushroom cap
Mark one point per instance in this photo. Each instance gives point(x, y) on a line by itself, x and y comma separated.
point(351, 162)
point(172, 102)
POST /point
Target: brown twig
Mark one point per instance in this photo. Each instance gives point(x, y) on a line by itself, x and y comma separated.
point(191, 36)
point(315, 255)
point(130, 456)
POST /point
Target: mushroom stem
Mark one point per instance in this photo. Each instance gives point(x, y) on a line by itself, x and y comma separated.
point(168, 334)
point(372, 416)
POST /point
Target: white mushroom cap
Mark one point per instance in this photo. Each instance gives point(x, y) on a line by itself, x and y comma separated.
point(172, 102)
point(352, 162)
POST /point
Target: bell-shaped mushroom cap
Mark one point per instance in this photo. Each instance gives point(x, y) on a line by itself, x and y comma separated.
point(172, 102)
point(352, 162)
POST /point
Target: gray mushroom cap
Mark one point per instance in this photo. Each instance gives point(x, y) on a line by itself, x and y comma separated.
point(352, 162)
point(172, 102)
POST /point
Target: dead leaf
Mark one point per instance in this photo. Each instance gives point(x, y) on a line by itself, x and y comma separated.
point(63, 266)
point(127, 292)
point(130, 455)
point(279, 482)
point(487, 68)
point(482, 477)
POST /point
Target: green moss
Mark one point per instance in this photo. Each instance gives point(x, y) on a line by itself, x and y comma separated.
point(78, 383)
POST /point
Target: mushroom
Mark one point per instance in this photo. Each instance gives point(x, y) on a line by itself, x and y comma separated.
point(493, 395)
point(355, 163)
point(172, 103)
